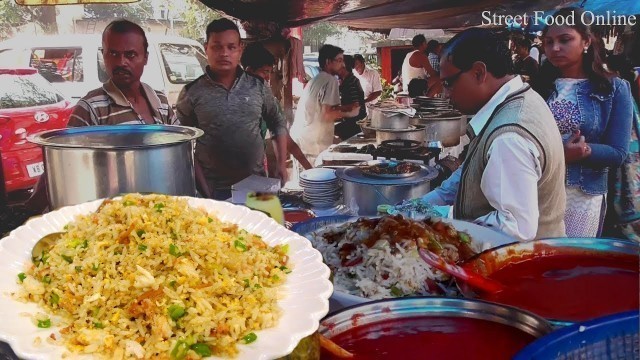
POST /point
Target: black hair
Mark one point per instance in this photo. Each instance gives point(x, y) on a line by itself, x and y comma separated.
point(328, 52)
point(221, 25)
point(255, 56)
point(349, 63)
point(122, 26)
point(432, 45)
point(624, 67)
point(358, 57)
point(417, 87)
point(524, 43)
point(477, 44)
point(418, 40)
point(592, 61)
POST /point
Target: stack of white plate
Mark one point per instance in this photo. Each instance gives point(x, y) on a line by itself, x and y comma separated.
point(321, 187)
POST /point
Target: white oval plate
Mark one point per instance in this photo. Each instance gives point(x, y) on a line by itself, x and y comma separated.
point(318, 174)
point(305, 294)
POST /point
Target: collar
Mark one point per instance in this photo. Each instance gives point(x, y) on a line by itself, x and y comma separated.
point(118, 97)
point(239, 73)
point(479, 120)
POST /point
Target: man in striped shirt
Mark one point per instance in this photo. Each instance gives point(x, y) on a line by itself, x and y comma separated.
point(124, 99)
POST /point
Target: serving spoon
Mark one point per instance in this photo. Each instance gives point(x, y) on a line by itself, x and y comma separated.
point(474, 280)
point(45, 243)
point(48, 241)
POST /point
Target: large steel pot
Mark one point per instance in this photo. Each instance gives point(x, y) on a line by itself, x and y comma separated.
point(363, 193)
point(88, 163)
point(388, 119)
point(416, 133)
point(444, 128)
point(389, 316)
point(464, 122)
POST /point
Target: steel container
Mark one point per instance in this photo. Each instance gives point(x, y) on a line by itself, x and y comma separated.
point(416, 133)
point(88, 163)
point(363, 193)
point(387, 119)
point(492, 260)
point(444, 128)
point(429, 307)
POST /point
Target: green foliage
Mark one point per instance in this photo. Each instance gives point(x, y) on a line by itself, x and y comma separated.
point(196, 17)
point(316, 35)
point(137, 11)
point(12, 16)
point(387, 90)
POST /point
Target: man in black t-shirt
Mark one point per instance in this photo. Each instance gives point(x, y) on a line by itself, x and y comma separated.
point(524, 64)
point(350, 92)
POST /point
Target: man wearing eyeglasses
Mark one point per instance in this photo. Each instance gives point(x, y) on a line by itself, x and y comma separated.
point(512, 179)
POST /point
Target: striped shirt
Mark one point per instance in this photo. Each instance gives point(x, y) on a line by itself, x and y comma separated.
point(351, 92)
point(434, 60)
point(108, 106)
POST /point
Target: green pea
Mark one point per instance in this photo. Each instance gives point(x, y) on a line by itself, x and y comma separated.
point(176, 312)
point(249, 338)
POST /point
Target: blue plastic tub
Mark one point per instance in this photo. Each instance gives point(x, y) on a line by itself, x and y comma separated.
point(613, 337)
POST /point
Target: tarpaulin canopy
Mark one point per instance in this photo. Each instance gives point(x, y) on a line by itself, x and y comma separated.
point(379, 14)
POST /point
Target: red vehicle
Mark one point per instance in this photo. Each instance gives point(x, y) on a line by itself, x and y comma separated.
point(28, 104)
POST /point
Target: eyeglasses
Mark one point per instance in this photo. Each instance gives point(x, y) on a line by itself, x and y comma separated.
point(448, 82)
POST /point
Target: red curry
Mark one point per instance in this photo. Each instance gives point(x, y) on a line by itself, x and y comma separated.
point(570, 287)
point(427, 338)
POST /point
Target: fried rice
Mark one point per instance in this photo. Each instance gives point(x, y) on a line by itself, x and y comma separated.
point(151, 277)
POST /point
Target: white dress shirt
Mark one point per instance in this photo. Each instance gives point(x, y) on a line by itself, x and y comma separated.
point(370, 82)
point(510, 179)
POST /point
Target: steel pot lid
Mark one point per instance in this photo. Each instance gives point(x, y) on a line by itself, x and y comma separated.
point(113, 137)
point(354, 174)
point(411, 128)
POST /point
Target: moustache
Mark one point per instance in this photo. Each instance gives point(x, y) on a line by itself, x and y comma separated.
point(121, 71)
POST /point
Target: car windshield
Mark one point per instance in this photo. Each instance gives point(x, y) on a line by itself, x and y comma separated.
point(58, 65)
point(20, 91)
point(183, 63)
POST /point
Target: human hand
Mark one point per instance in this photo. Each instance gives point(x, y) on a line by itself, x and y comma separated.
point(576, 149)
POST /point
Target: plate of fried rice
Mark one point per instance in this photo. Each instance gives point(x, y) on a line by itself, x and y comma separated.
point(162, 277)
point(377, 258)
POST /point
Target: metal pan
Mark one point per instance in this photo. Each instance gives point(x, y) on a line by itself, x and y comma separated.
point(366, 169)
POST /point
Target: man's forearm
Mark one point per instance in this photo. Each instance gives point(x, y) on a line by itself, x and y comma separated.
point(373, 96)
point(281, 147)
point(201, 182)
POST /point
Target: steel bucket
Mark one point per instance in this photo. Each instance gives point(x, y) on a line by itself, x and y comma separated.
point(94, 162)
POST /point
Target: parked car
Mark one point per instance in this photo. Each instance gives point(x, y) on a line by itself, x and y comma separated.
point(28, 104)
point(74, 63)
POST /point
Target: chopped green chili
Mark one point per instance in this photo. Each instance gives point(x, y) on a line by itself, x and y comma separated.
point(44, 324)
